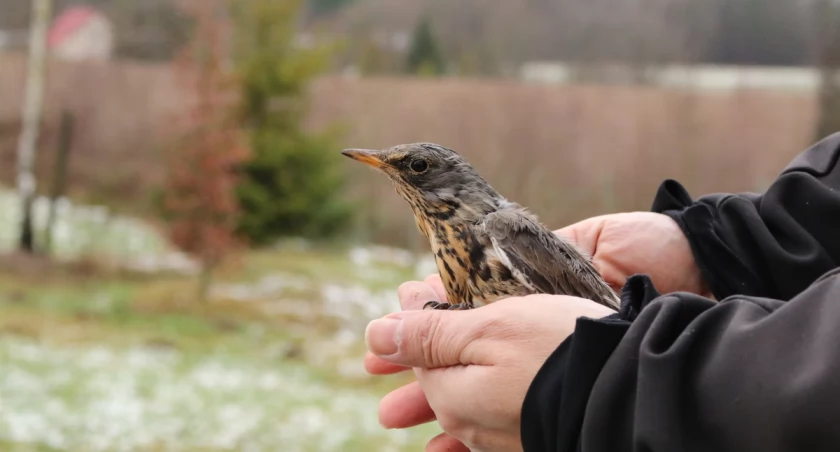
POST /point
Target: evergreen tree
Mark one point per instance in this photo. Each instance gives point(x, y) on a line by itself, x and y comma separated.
point(425, 56)
point(321, 7)
point(292, 184)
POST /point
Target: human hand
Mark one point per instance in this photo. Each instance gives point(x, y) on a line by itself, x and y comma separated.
point(473, 367)
point(625, 244)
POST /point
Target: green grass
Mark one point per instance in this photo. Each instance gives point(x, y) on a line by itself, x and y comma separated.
point(91, 362)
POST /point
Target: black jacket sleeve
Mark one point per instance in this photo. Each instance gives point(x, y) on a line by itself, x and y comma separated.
point(758, 371)
point(770, 245)
point(691, 374)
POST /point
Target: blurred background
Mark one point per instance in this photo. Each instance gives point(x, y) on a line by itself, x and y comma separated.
point(187, 262)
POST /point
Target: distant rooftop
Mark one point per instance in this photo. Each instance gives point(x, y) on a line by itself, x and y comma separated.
point(70, 20)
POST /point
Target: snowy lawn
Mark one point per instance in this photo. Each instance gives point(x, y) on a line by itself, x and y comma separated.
point(95, 398)
point(271, 363)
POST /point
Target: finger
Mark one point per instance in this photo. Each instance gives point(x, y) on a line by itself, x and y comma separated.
point(376, 366)
point(429, 339)
point(414, 294)
point(445, 443)
point(585, 233)
point(405, 407)
point(437, 284)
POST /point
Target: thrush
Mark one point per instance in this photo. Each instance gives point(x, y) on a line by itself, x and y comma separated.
point(486, 248)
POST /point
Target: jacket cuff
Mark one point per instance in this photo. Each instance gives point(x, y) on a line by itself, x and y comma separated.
point(697, 222)
point(554, 406)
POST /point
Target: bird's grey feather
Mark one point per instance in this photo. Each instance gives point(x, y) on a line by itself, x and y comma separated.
point(547, 261)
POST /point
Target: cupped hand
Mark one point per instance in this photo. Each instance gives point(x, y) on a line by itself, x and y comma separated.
point(473, 367)
point(625, 244)
point(515, 341)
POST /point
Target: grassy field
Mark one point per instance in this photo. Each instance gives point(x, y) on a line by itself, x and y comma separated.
point(92, 360)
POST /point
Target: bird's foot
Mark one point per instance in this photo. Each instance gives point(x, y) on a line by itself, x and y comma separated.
point(438, 306)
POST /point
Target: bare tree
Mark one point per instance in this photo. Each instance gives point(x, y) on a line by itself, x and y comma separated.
point(32, 108)
point(65, 139)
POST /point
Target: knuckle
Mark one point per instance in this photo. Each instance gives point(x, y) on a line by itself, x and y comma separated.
point(463, 431)
point(470, 436)
point(499, 321)
point(434, 343)
point(452, 425)
point(490, 324)
point(502, 325)
point(430, 339)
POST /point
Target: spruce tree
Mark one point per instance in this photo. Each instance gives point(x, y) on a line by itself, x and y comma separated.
point(292, 184)
point(424, 56)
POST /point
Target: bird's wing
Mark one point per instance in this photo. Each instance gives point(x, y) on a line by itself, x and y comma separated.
point(540, 259)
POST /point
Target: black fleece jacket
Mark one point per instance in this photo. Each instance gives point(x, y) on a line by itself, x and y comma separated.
point(757, 371)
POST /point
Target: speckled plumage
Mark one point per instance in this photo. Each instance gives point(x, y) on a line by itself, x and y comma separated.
point(485, 247)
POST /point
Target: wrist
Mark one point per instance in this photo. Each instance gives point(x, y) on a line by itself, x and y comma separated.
point(696, 279)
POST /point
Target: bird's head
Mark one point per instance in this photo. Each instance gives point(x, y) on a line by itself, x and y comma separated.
point(429, 175)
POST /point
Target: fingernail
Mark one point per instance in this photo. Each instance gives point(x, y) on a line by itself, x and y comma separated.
point(382, 336)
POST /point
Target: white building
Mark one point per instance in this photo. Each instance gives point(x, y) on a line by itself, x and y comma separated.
point(81, 33)
point(702, 77)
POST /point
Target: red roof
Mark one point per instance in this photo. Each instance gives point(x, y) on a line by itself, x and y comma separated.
point(68, 22)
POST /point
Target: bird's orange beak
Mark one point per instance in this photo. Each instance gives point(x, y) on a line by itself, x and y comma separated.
point(367, 156)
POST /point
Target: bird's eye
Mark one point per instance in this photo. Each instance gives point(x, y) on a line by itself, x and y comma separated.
point(419, 165)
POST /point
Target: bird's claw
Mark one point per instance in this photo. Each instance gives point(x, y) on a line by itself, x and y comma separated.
point(438, 306)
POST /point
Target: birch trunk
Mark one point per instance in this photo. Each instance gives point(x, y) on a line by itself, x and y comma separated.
point(32, 110)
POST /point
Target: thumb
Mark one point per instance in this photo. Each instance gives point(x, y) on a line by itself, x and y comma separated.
point(426, 339)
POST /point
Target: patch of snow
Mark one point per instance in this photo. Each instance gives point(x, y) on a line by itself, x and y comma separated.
point(98, 398)
point(81, 230)
point(382, 254)
point(270, 286)
point(425, 266)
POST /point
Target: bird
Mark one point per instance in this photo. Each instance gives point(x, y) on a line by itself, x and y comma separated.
point(485, 247)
